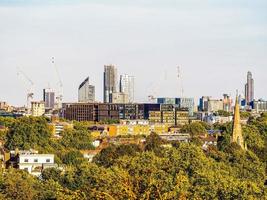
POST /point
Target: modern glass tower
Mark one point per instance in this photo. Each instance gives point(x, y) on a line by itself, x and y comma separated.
point(249, 88)
point(110, 82)
point(127, 86)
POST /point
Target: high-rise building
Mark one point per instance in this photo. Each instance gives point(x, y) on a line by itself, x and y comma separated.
point(127, 86)
point(249, 88)
point(86, 92)
point(110, 82)
point(49, 98)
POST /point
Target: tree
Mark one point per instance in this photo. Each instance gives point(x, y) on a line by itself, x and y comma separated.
point(18, 185)
point(51, 173)
point(194, 129)
point(28, 132)
point(73, 157)
point(77, 139)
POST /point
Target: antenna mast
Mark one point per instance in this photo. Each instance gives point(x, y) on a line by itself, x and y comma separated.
point(180, 82)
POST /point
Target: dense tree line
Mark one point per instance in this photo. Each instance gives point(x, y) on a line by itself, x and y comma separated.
point(152, 171)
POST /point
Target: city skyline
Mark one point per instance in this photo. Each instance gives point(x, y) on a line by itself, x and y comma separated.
point(148, 42)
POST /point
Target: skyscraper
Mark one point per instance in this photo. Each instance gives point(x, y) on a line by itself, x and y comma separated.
point(110, 82)
point(127, 86)
point(49, 98)
point(86, 92)
point(249, 88)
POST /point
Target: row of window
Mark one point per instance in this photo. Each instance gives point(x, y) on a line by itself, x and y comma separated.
point(36, 160)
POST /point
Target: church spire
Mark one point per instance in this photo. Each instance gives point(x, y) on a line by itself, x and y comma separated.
point(237, 136)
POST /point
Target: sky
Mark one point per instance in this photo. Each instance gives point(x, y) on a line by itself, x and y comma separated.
point(215, 43)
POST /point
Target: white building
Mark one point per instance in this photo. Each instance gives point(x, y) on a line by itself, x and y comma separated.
point(86, 92)
point(35, 163)
point(127, 86)
point(37, 108)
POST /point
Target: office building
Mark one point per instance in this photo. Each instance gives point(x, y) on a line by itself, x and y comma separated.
point(186, 103)
point(86, 92)
point(110, 82)
point(249, 89)
point(49, 98)
point(203, 103)
point(127, 86)
point(215, 105)
point(166, 100)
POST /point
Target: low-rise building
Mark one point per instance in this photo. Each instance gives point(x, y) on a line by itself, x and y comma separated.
point(35, 163)
point(259, 106)
point(37, 108)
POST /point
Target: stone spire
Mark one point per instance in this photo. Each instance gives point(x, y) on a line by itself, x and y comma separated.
point(237, 136)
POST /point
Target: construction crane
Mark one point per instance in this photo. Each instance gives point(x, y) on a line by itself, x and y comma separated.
point(180, 82)
point(59, 95)
point(151, 99)
point(30, 90)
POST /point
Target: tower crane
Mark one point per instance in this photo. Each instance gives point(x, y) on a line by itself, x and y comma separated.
point(59, 96)
point(30, 90)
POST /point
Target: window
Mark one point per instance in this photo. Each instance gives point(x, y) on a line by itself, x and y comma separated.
point(47, 160)
point(26, 160)
point(35, 160)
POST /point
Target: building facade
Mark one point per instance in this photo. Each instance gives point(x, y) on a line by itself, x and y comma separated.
point(249, 88)
point(227, 103)
point(110, 82)
point(259, 106)
point(37, 108)
point(186, 103)
point(35, 163)
point(180, 103)
point(49, 98)
point(127, 86)
point(86, 92)
point(215, 105)
point(119, 97)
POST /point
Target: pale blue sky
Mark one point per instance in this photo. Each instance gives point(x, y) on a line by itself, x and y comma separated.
point(215, 43)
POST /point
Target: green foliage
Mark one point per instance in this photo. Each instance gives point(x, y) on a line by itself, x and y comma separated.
point(77, 139)
point(7, 121)
point(245, 115)
point(183, 171)
point(224, 113)
point(194, 128)
point(18, 185)
point(73, 157)
point(28, 132)
point(153, 143)
point(107, 156)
